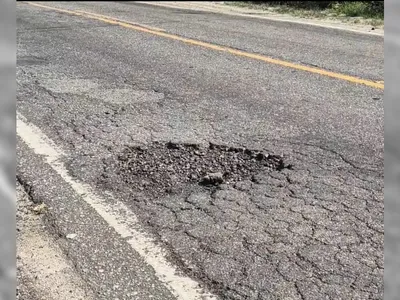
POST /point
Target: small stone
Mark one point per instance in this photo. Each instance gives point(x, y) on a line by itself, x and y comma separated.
point(213, 178)
point(71, 236)
point(40, 209)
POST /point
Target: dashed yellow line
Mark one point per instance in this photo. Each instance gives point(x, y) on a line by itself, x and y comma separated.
point(162, 33)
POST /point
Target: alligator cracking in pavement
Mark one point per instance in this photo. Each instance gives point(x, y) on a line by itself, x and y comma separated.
point(165, 168)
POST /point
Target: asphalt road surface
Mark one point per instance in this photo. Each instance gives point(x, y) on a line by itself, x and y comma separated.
point(191, 155)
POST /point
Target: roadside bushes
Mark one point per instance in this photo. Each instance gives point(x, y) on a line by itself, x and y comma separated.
point(374, 9)
point(300, 4)
point(360, 8)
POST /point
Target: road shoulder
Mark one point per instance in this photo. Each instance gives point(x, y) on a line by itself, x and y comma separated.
point(221, 8)
point(43, 270)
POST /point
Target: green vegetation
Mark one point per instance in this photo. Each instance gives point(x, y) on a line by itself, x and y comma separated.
point(370, 11)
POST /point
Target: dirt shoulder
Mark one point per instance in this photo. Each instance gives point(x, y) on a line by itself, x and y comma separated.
point(345, 23)
point(43, 271)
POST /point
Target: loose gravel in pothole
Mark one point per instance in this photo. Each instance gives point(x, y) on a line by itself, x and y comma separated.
point(164, 168)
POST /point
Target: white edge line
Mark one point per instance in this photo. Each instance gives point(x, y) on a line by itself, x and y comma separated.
point(118, 216)
point(263, 17)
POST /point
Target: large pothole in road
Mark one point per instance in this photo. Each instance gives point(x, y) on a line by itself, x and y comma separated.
point(161, 168)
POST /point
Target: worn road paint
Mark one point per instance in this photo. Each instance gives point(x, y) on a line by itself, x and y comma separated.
point(121, 21)
point(117, 216)
point(110, 20)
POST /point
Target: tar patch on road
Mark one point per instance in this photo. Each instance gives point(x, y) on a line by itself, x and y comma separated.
point(161, 169)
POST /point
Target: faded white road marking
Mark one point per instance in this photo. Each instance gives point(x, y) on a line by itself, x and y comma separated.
point(118, 216)
point(39, 256)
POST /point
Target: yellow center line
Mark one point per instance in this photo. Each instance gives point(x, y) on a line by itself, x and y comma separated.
point(120, 21)
point(162, 33)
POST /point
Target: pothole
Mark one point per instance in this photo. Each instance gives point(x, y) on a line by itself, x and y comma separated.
point(164, 168)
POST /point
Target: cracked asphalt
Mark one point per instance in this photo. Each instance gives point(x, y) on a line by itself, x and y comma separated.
point(312, 231)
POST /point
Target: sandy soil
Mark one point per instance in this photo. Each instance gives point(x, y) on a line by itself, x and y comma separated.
point(43, 272)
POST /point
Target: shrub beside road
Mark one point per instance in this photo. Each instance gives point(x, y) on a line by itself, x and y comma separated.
point(370, 11)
